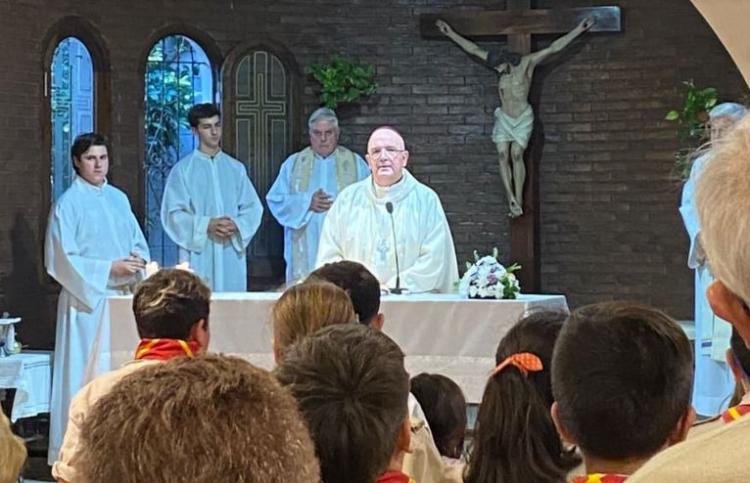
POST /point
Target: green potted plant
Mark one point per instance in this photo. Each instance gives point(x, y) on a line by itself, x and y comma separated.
point(692, 119)
point(342, 81)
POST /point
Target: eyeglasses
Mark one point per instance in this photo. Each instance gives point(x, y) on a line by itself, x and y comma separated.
point(389, 152)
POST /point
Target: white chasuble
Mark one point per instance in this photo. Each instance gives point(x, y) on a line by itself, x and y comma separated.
point(300, 176)
point(199, 188)
point(358, 228)
point(89, 228)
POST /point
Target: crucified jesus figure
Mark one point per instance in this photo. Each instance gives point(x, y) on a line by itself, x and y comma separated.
point(514, 119)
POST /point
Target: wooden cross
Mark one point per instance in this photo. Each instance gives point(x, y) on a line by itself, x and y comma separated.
point(519, 22)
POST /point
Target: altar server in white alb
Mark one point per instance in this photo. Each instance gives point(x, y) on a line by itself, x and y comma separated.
point(304, 191)
point(714, 384)
point(94, 248)
point(359, 226)
point(210, 208)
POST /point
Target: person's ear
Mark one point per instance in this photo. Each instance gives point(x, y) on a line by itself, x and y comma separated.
point(731, 308)
point(278, 354)
point(680, 432)
point(406, 157)
point(200, 333)
point(377, 322)
point(737, 372)
point(403, 444)
point(564, 434)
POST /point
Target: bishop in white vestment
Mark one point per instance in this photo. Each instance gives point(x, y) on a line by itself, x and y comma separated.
point(94, 248)
point(358, 226)
point(211, 210)
point(305, 188)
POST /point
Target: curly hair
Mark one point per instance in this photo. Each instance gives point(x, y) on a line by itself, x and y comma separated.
point(205, 420)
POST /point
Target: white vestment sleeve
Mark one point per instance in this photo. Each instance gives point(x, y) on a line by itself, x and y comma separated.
point(291, 210)
point(329, 246)
point(436, 267)
point(138, 242)
point(85, 278)
point(249, 214)
point(690, 214)
point(180, 222)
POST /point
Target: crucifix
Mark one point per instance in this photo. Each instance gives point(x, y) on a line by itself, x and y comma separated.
point(514, 119)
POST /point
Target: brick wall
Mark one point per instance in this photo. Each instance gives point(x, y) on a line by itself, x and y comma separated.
point(609, 224)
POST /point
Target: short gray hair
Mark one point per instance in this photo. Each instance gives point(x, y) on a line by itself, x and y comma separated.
point(723, 199)
point(323, 114)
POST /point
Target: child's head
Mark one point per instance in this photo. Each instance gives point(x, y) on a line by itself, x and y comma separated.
point(302, 309)
point(205, 419)
point(352, 388)
point(444, 407)
point(173, 304)
point(515, 438)
point(12, 452)
point(622, 376)
point(361, 286)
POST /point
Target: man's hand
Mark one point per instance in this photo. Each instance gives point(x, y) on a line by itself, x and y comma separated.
point(321, 201)
point(222, 228)
point(127, 266)
point(443, 27)
point(587, 23)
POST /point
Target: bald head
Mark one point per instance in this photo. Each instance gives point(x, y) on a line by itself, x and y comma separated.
point(386, 155)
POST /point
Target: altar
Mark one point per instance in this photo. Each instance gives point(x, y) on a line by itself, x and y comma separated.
point(439, 333)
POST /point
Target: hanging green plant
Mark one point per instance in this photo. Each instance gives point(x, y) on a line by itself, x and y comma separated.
point(342, 81)
point(692, 119)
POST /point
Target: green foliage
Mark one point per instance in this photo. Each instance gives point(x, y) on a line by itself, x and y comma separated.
point(692, 119)
point(343, 81)
point(169, 97)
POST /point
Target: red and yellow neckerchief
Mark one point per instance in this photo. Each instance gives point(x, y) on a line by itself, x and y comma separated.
point(600, 478)
point(735, 413)
point(164, 349)
point(394, 477)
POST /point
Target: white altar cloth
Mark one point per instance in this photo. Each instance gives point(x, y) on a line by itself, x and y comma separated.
point(30, 374)
point(439, 333)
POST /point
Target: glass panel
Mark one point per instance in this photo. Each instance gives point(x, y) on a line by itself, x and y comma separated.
point(178, 75)
point(262, 141)
point(72, 107)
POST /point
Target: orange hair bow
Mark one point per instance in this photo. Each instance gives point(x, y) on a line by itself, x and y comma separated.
point(525, 362)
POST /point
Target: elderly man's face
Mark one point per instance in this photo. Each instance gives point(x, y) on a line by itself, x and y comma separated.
point(720, 126)
point(386, 156)
point(93, 165)
point(324, 137)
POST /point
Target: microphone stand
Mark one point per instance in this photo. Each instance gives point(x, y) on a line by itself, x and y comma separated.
point(396, 290)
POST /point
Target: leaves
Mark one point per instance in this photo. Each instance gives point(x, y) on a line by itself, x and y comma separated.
point(343, 81)
point(692, 119)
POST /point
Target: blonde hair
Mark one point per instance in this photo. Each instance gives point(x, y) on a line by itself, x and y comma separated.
point(206, 419)
point(303, 309)
point(12, 452)
point(723, 201)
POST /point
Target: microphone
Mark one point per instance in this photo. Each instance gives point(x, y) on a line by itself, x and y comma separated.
point(397, 290)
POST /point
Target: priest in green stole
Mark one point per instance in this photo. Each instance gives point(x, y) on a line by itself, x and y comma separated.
point(305, 188)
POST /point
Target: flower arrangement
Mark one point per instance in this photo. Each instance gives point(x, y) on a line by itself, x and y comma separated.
point(486, 278)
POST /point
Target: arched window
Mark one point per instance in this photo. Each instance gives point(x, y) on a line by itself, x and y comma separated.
point(178, 75)
point(262, 98)
point(71, 107)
